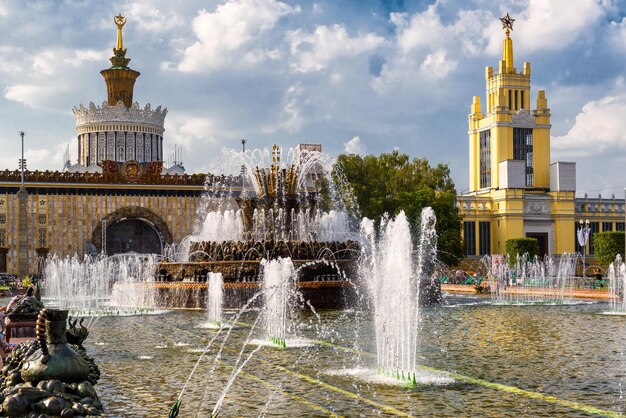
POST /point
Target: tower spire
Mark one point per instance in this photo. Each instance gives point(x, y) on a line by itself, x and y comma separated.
point(120, 21)
point(507, 44)
point(120, 79)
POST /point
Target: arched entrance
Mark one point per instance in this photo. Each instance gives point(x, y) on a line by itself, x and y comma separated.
point(133, 235)
point(131, 229)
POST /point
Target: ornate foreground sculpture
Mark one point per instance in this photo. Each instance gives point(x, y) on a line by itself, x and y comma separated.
point(51, 376)
point(26, 305)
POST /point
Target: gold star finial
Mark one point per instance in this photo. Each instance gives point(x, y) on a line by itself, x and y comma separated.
point(120, 21)
point(507, 23)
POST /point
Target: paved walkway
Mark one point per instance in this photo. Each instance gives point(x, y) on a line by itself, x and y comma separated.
point(596, 294)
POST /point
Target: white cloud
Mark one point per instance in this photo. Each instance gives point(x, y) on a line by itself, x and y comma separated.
point(436, 65)
point(551, 25)
point(468, 34)
point(189, 131)
point(314, 51)
point(33, 95)
point(354, 146)
point(425, 48)
point(152, 19)
point(54, 61)
point(49, 158)
point(291, 118)
point(600, 127)
point(45, 75)
point(231, 33)
point(421, 30)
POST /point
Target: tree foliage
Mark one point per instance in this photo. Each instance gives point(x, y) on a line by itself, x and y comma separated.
point(606, 246)
point(519, 246)
point(393, 182)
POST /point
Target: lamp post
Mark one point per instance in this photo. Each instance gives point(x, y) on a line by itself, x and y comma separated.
point(243, 164)
point(22, 161)
point(583, 238)
point(23, 234)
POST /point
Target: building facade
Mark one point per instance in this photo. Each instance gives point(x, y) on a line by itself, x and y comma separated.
point(117, 197)
point(514, 189)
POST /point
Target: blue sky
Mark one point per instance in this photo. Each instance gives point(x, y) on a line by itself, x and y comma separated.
point(357, 76)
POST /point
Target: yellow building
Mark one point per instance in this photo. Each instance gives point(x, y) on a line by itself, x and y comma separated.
point(514, 190)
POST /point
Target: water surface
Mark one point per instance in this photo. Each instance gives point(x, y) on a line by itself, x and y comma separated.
point(568, 352)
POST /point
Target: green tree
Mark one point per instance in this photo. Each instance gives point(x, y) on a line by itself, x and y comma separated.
point(606, 246)
point(392, 182)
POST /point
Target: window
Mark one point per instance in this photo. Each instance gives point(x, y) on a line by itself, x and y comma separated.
point(523, 150)
point(516, 100)
point(469, 236)
point(485, 159)
point(510, 100)
point(521, 96)
point(594, 227)
point(619, 226)
point(607, 226)
point(484, 238)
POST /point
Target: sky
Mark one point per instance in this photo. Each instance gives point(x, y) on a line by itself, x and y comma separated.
point(356, 76)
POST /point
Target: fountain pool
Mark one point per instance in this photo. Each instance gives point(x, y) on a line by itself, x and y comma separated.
point(566, 357)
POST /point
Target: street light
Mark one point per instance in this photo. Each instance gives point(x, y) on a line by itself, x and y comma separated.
point(583, 238)
point(22, 160)
point(243, 164)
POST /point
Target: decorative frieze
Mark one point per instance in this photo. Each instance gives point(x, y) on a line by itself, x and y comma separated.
point(523, 119)
point(536, 207)
point(119, 113)
point(155, 171)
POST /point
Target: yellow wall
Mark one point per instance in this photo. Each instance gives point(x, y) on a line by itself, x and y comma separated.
point(69, 218)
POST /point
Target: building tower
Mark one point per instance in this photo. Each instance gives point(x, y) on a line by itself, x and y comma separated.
point(514, 191)
point(509, 138)
point(118, 130)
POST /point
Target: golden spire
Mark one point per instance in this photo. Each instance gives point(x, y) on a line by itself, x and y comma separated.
point(507, 44)
point(120, 21)
point(119, 78)
point(119, 59)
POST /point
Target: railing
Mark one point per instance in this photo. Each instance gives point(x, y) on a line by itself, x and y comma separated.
point(575, 282)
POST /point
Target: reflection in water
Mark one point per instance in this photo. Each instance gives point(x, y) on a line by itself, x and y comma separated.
point(564, 351)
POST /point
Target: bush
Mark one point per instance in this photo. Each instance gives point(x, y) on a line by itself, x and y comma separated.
point(606, 246)
point(519, 246)
point(26, 281)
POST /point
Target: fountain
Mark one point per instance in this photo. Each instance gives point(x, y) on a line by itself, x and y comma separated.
point(617, 285)
point(276, 249)
point(97, 286)
point(531, 282)
point(215, 299)
point(393, 273)
point(276, 291)
point(277, 217)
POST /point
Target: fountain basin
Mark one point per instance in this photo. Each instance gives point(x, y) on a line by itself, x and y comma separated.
point(193, 295)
